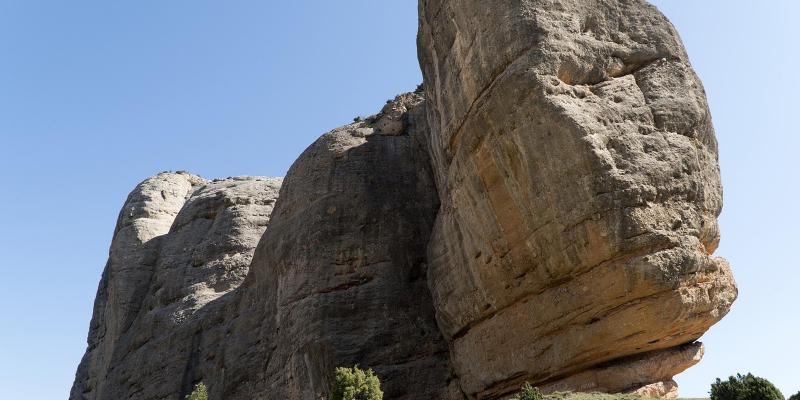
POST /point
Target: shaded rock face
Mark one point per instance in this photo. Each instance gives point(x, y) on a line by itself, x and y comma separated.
point(342, 266)
point(545, 211)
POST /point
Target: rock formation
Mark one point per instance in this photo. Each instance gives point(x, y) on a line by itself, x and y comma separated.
point(544, 211)
point(579, 187)
point(181, 247)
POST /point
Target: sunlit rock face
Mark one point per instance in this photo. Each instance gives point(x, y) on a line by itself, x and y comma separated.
point(543, 209)
point(577, 172)
point(181, 248)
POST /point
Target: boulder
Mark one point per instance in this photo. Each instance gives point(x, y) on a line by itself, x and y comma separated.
point(577, 172)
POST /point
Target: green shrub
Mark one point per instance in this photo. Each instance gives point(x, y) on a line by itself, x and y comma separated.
point(744, 387)
point(356, 384)
point(200, 392)
point(529, 392)
point(795, 396)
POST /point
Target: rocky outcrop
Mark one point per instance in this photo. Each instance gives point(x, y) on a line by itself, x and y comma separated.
point(342, 265)
point(181, 246)
point(544, 211)
point(579, 186)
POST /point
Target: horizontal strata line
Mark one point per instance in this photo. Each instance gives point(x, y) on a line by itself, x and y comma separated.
point(516, 378)
point(559, 282)
point(622, 360)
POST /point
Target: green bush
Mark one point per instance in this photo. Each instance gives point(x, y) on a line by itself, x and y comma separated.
point(795, 396)
point(200, 392)
point(356, 384)
point(744, 387)
point(529, 392)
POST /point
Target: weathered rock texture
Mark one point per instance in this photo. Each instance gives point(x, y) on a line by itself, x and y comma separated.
point(577, 172)
point(181, 246)
point(544, 211)
point(342, 265)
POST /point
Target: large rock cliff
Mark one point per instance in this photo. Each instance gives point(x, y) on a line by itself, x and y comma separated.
point(544, 211)
point(579, 187)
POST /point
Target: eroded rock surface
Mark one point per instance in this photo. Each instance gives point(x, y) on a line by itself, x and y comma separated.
point(181, 246)
point(648, 374)
point(577, 171)
point(342, 265)
point(545, 211)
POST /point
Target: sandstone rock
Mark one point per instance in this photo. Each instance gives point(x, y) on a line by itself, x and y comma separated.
point(667, 389)
point(342, 265)
point(545, 211)
point(181, 244)
point(577, 172)
point(634, 374)
point(393, 118)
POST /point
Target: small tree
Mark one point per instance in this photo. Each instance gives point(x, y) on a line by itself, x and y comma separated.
point(795, 396)
point(200, 392)
point(356, 384)
point(744, 387)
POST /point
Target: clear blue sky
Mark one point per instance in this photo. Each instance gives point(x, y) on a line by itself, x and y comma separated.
point(97, 95)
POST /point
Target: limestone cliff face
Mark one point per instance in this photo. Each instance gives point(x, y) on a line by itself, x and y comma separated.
point(545, 211)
